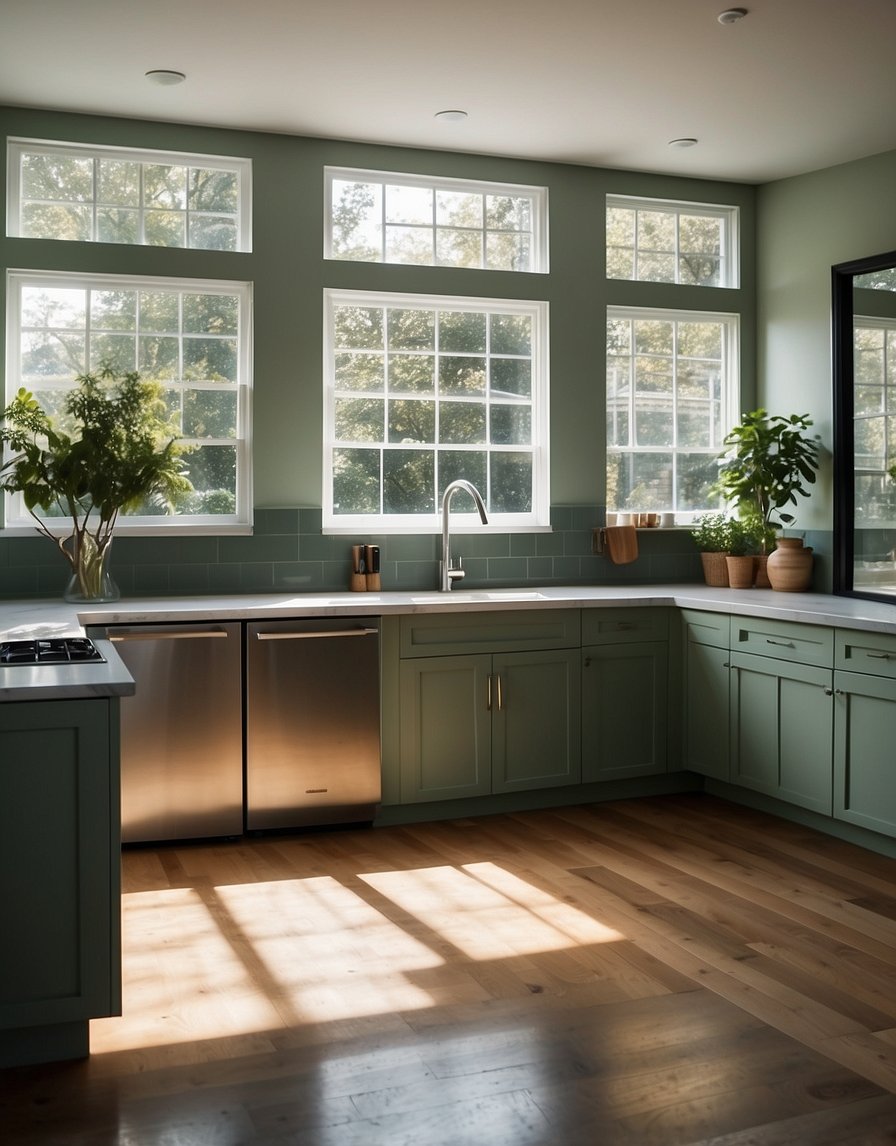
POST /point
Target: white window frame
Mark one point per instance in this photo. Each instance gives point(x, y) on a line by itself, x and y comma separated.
point(17, 147)
point(729, 270)
point(17, 520)
point(730, 396)
point(538, 197)
point(538, 519)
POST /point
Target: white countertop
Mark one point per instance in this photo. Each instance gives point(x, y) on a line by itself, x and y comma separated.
point(33, 618)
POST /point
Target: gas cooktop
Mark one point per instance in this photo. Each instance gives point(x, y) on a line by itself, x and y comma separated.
point(51, 650)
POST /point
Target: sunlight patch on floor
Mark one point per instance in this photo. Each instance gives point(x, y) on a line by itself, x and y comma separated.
point(487, 912)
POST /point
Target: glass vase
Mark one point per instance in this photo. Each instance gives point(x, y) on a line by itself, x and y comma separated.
point(91, 579)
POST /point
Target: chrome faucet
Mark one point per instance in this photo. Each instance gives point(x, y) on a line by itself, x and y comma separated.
point(448, 573)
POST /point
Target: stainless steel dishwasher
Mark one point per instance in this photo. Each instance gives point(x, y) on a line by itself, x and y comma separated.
point(182, 731)
point(312, 722)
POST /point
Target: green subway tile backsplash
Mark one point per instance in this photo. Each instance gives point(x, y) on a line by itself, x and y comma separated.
point(288, 553)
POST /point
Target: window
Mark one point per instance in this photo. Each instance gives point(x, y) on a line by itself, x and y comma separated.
point(113, 195)
point(192, 336)
point(671, 396)
point(655, 240)
point(421, 390)
point(378, 217)
point(874, 413)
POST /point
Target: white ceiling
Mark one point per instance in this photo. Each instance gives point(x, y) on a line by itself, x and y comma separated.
point(795, 86)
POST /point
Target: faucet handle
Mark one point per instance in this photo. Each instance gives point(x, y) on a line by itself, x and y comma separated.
point(456, 572)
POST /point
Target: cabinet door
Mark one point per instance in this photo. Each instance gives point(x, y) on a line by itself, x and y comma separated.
point(536, 720)
point(624, 710)
point(781, 730)
point(59, 876)
point(864, 760)
point(706, 710)
point(445, 728)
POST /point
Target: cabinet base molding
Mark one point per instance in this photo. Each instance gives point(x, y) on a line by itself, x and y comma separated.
point(25, 1046)
point(850, 833)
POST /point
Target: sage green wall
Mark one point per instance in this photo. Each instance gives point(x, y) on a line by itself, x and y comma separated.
point(289, 274)
point(805, 225)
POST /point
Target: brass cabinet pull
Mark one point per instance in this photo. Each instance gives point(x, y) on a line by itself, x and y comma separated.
point(878, 656)
point(784, 644)
point(488, 703)
point(500, 694)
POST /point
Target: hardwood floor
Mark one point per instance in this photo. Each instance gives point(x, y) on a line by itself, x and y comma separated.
point(666, 971)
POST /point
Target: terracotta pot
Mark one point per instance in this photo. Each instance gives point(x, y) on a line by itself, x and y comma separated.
point(715, 571)
point(741, 571)
point(761, 580)
point(790, 565)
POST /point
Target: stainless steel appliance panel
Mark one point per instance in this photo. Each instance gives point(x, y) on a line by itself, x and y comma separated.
point(181, 733)
point(312, 722)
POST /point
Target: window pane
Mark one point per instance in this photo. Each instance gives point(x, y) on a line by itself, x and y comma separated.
point(116, 225)
point(359, 371)
point(511, 334)
point(461, 330)
point(210, 359)
point(54, 221)
point(356, 218)
point(359, 419)
point(676, 243)
point(461, 375)
point(113, 310)
point(213, 233)
point(696, 475)
point(212, 191)
point(411, 372)
point(356, 481)
point(411, 329)
point(411, 245)
point(159, 312)
point(210, 314)
point(158, 358)
point(458, 209)
point(359, 327)
point(165, 229)
point(472, 466)
point(164, 186)
point(64, 178)
point(411, 421)
point(511, 482)
point(57, 357)
point(656, 230)
point(119, 350)
point(209, 413)
point(461, 423)
point(508, 212)
point(511, 425)
point(54, 307)
point(653, 424)
point(511, 376)
point(409, 481)
point(507, 251)
point(458, 248)
point(620, 263)
point(119, 183)
point(409, 205)
point(212, 469)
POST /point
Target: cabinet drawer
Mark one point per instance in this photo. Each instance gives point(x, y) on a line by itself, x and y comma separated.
point(806, 644)
point(873, 653)
point(702, 628)
point(618, 626)
point(443, 634)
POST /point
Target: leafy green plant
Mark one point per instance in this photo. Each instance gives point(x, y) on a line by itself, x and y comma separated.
point(768, 461)
point(112, 450)
point(713, 533)
point(745, 536)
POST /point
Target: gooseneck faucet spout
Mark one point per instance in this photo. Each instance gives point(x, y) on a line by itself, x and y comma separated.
point(448, 574)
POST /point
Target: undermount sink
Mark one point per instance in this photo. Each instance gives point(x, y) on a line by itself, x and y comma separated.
point(465, 596)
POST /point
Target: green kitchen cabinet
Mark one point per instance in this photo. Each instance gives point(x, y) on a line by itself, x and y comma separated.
point(503, 719)
point(60, 875)
point(625, 710)
point(706, 669)
point(865, 730)
point(782, 729)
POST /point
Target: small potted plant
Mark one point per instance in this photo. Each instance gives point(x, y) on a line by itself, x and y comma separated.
point(113, 449)
point(744, 541)
point(712, 536)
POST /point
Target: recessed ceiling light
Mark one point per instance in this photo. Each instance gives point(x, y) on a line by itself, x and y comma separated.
point(452, 115)
point(164, 77)
point(685, 141)
point(732, 15)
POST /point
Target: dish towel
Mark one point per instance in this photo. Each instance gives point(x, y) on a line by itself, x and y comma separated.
point(622, 544)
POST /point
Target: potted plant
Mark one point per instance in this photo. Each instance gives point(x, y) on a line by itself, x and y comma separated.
point(712, 536)
point(769, 460)
point(113, 449)
point(743, 545)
